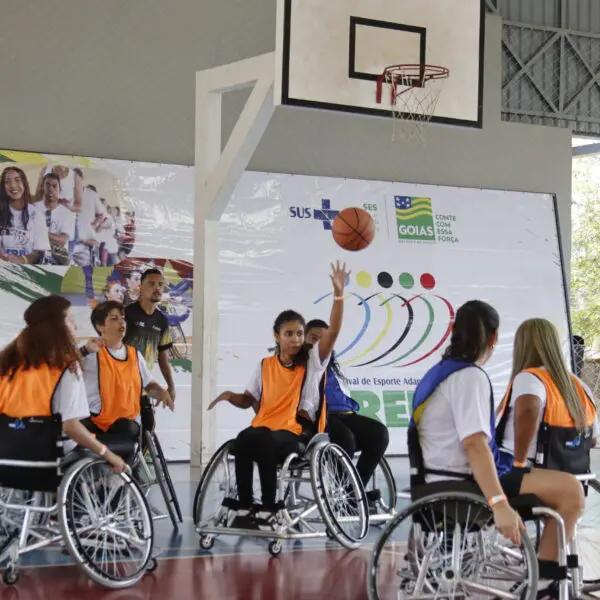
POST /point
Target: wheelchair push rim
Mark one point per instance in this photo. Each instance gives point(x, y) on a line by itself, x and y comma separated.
point(340, 495)
point(226, 488)
point(106, 523)
point(445, 545)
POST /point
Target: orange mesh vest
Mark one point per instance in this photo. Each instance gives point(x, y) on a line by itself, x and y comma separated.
point(556, 413)
point(280, 397)
point(560, 445)
point(120, 387)
point(29, 393)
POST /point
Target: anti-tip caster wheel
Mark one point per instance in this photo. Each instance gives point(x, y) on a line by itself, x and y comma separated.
point(207, 542)
point(152, 565)
point(10, 576)
point(275, 548)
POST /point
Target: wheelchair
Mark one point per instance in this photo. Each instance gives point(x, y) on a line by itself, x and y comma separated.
point(445, 543)
point(334, 507)
point(99, 517)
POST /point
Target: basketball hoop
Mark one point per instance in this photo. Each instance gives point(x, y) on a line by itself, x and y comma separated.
point(414, 94)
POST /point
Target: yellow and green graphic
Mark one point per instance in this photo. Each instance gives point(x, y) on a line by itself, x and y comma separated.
point(414, 218)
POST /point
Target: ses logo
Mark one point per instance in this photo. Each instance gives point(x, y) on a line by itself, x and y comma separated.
point(416, 222)
point(324, 214)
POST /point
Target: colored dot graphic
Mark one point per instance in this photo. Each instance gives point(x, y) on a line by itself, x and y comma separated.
point(427, 281)
point(386, 281)
point(406, 280)
point(364, 279)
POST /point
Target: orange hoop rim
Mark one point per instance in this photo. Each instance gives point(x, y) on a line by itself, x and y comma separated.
point(409, 75)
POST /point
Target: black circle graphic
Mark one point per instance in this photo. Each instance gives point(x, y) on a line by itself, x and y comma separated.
point(385, 280)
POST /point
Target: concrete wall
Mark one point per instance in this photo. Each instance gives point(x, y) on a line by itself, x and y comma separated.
point(116, 79)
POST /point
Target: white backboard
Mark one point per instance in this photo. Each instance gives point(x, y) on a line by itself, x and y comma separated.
point(330, 52)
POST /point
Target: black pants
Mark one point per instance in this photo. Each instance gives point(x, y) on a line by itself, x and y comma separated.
point(117, 436)
point(353, 433)
point(267, 449)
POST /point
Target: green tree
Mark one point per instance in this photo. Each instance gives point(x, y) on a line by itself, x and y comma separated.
point(585, 256)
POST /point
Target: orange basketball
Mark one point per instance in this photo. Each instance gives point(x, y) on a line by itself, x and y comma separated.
point(353, 229)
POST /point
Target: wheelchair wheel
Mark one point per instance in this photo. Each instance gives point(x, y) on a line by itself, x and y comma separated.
point(161, 478)
point(216, 483)
point(384, 481)
point(106, 524)
point(163, 461)
point(446, 545)
point(339, 494)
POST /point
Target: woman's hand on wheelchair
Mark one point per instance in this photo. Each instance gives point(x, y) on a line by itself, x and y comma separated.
point(508, 522)
point(117, 464)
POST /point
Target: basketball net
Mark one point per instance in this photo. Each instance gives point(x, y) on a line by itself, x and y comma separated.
point(414, 94)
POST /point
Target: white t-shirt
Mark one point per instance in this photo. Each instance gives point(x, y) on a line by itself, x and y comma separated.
point(62, 220)
point(90, 376)
point(70, 401)
point(90, 207)
point(309, 400)
point(458, 408)
point(19, 241)
point(528, 384)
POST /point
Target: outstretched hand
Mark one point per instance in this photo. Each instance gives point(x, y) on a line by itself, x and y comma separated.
point(339, 276)
point(219, 398)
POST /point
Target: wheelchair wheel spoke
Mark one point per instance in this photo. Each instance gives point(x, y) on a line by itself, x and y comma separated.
point(446, 544)
point(107, 524)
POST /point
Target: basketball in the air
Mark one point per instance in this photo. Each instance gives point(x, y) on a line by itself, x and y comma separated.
point(353, 229)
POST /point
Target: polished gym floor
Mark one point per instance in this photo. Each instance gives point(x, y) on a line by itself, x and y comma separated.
point(235, 568)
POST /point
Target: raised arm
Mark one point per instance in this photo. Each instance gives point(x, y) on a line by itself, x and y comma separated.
point(77, 192)
point(39, 188)
point(339, 275)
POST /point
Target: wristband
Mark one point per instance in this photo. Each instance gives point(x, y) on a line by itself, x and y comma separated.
point(25, 260)
point(496, 500)
point(519, 465)
point(336, 298)
point(103, 450)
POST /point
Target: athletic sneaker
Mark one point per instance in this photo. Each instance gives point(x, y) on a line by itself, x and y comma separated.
point(244, 519)
point(373, 497)
point(552, 592)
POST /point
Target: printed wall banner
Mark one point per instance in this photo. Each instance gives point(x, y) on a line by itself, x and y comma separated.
point(434, 249)
point(93, 227)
